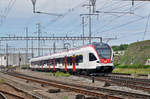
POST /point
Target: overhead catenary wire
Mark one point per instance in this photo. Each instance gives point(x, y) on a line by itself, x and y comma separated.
point(73, 27)
point(137, 7)
point(131, 34)
point(63, 21)
point(7, 10)
point(147, 22)
point(133, 21)
point(117, 17)
point(120, 15)
point(64, 15)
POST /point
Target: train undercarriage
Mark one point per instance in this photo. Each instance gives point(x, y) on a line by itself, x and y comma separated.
point(100, 70)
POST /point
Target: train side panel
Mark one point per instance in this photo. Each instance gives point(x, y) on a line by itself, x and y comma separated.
point(86, 61)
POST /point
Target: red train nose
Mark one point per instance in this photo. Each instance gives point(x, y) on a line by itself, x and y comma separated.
point(105, 61)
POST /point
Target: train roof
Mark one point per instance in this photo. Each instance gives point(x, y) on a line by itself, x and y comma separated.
point(53, 54)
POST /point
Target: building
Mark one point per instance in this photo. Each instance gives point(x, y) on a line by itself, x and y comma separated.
point(147, 62)
point(14, 59)
point(119, 53)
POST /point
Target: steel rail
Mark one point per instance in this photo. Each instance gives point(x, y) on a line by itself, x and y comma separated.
point(133, 86)
point(2, 96)
point(128, 74)
point(66, 87)
point(131, 78)
point(129, 81)
point(116, 92)
point(26, 92)
point(14, 95)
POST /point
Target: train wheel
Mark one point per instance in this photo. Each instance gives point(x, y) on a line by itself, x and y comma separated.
point(78, 73)
point(84, 73)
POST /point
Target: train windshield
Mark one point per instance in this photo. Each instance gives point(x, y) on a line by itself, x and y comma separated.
point(103, 50)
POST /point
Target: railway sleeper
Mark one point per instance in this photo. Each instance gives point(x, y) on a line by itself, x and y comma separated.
point(83, 91)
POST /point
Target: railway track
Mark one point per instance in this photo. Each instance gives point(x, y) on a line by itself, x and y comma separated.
point(3, 93)
point(2, 96)
point(85, 89)
point(120, 82)
point(134, 83)
point(125, 74)
point(63, 86)
point(130, 80)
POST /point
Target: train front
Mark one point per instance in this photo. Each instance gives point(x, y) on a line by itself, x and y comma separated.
point(105, 54)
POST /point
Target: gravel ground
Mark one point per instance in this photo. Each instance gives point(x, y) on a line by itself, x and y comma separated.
point(70, 79)
point(131, 76)
point(78, 80)
point(37, 89)
point(9, 89)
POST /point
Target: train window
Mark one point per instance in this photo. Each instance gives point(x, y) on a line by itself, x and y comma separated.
point(40, 63)
point(79, 59)
point(69, 60)
point(59, 61)
point(92, 57)
point(45, 62)
point(62, 61)
point(35, 63)
point(56, 61)
point(103, 50)
point(51, 62)
point(32, 63)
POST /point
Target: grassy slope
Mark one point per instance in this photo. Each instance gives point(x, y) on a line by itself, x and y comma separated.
point(136, 53)
point(132, 71)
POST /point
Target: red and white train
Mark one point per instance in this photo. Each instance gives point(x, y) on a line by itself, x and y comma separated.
point(91, 59)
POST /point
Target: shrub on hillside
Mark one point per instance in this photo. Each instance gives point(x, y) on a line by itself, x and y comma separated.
point(132, 66)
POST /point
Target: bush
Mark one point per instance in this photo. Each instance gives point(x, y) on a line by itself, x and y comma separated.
point(2, 81)
point(131, 66)
point(61, 74)
point(24, 66)
point(120, 48)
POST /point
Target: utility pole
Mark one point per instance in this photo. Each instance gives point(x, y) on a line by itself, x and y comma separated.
point(83, 28)
point(19, 59)
point(0, 45)
point(33, 2)
point(26, 61)
point(91, 6)
point(39, 33)
point(54, 47)
point(39, 12)
point(7, 55)
point(43, 42)
point(49, 51)
point(0, 54)
point(90, 34)
point(32, 50)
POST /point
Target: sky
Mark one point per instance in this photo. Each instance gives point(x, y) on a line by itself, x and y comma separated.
point(128, 26)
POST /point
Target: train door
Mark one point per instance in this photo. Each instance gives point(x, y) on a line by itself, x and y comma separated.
point(42, 63)
point(79, 61)
point(92, 60)
point(39, 66)
point(74, 63)
point(54, 64)
point(49, 64)
point(66, 63)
